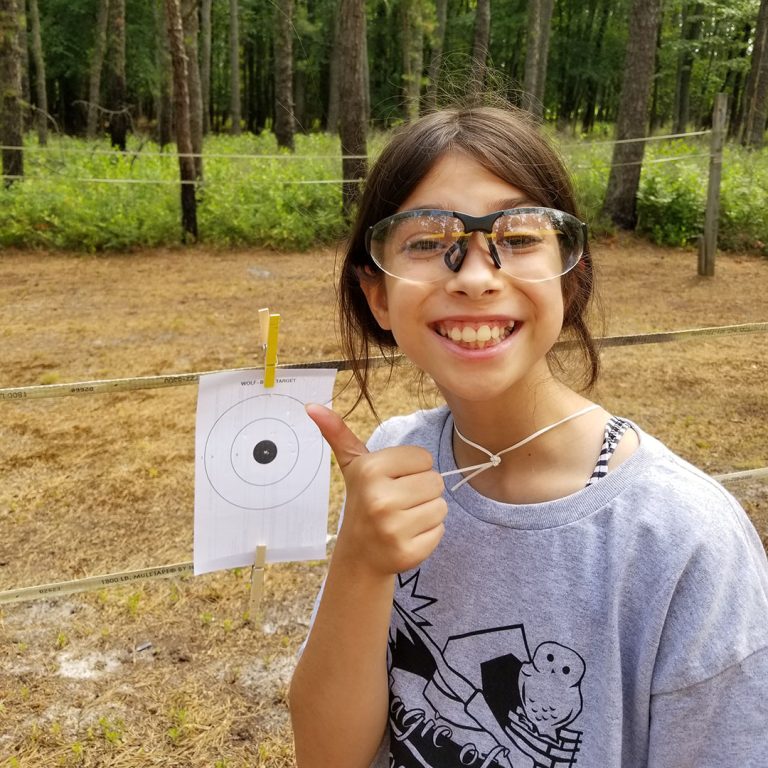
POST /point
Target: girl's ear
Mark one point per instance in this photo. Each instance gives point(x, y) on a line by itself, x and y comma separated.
point(376, 294)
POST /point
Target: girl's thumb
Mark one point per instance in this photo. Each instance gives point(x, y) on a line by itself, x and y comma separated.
point(344, 443)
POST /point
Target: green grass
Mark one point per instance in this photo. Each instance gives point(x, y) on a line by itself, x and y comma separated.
point(255, 195)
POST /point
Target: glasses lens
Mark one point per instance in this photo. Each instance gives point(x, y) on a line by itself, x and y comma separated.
point(538, 244)
point(532, 244)
point(412, 245)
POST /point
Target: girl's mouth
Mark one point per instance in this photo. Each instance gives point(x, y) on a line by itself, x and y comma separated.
point(475, 335)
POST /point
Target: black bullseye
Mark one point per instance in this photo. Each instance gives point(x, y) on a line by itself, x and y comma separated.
point(265, 452)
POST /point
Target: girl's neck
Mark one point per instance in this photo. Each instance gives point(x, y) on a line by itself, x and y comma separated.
point(548, 467)
point(503, 421)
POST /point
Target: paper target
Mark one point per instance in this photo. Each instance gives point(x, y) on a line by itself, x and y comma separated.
point(254, 446)
point(262, 468)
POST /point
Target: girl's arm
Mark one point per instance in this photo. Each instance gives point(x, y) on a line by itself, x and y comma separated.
point(393, 520)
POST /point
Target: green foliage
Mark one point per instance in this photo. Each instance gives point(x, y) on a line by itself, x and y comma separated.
point(672, 195)
point(71, 198)
point(744, 200)
point(254, 194)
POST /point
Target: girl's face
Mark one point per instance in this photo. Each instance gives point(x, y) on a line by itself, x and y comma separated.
point(479, 333)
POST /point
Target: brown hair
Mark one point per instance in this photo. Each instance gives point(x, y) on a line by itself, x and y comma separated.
point(508, 143)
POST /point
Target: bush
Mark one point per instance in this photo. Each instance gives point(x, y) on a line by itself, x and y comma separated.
point(80, 195)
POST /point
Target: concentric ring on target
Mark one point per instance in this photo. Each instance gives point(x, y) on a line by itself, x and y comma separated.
point(259, 455)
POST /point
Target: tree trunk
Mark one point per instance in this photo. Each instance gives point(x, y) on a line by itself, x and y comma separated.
point(181, 113)
point(37, 56)
point(737, 89)
point(632, 120)
point(97, 64)
point(480, 43)
point(334, 68)
point(164, 75)
point(435, 61)
point(591, 84)
point(205, 62)
point(235, 111)
point(756, 104)
point(691, 32)
point(284, 106)
point(11, 120)
point(118, 121)
point(189, 10)
point(352, 120)
point(26, 88)
point(537, 54)
point(413, 55)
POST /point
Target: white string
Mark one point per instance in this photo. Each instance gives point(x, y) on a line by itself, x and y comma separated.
point(494, 459)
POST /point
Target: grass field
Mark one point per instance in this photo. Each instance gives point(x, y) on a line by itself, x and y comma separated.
point(174, 673)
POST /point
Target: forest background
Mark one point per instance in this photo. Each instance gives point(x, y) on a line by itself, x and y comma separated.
point(273, 104)
point(263, 108)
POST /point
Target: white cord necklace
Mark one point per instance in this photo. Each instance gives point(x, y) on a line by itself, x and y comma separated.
point(494, 459)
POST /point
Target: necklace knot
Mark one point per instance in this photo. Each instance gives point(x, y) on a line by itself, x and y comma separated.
point(495, 460)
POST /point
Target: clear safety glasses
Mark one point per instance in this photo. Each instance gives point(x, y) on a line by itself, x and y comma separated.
point(530, 244)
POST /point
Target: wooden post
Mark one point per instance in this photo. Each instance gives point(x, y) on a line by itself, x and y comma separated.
point(708, 243)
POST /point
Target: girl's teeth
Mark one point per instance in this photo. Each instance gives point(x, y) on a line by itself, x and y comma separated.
point(477, 337)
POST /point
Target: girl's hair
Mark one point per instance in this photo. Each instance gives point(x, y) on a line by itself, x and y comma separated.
point(506, 142)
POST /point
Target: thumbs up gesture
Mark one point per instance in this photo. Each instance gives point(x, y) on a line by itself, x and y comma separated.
point(394, 512)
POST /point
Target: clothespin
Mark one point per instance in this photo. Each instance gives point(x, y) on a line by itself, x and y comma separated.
point(257, 581)
point(270, 325)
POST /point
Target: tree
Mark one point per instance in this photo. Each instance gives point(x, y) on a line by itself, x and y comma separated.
point(284, 116)
point(334, 68)
point(413, 54)
point(481, 40)
point(97, 64)
point(691, 32)
point(118, 119)
point(537, 54)
point(438, 43)
point(235, 111)
point(189, 11)
point(164, 74)
point(352, 112)
point(756, 109)
point(39, 59)
point(632, 120)
point(205, 62)
point(11, 118)
point(181, 114)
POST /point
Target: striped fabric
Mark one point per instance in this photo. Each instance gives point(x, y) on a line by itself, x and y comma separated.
point(614, 431)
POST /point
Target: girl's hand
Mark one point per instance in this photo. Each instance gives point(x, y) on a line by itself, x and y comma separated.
point(394, 511)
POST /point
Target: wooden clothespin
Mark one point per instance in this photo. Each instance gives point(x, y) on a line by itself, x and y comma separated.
point(257, 582)
point(270, 326)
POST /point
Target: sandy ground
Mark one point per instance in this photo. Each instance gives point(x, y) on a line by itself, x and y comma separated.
point(174, 672)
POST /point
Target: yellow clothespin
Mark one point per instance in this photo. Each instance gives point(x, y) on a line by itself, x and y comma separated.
point(270, 326)
point(257, 582)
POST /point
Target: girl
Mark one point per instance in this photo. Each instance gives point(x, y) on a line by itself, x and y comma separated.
point(520, 578)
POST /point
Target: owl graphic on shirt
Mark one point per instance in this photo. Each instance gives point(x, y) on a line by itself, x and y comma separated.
point(550, 688)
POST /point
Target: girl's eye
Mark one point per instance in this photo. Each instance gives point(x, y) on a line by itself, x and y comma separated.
point(426, 245)
point(518, 240)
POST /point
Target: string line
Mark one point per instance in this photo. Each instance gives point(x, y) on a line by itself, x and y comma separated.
point(106, 386)
point(92, 583)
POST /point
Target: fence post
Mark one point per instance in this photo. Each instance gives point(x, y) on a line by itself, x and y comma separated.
point(708, 243)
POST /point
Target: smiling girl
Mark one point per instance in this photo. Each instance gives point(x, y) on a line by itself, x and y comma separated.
point(520, 578)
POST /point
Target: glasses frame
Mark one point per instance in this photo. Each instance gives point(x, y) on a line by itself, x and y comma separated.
point(472, 224)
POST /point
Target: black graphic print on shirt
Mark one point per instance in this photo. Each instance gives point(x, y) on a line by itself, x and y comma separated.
point(481, 699)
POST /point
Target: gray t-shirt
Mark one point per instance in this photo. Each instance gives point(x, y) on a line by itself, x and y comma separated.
point(624, 625)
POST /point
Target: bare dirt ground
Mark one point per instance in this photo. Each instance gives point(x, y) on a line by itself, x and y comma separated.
point(172, 672)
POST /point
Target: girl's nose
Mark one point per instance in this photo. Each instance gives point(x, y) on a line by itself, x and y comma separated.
point(478, 273)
